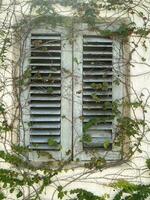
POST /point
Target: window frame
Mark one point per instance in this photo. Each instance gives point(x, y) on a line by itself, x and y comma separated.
point(115, 153)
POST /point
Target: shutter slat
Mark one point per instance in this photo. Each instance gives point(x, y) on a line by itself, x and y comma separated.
point(89, 86)
point(49, 38)
point(45, 105)
point(96, 112)
point(97, 69)
point(96, 39)
point(46, 72)
point(43, 147)
point(45, 44)
point(45, 98)
point(45, 64)
point(101, 127)
point(44, 58)
point(102, 99)
point(45, 85)
point(45, 90)
point(96, 79)
point(49, 132)
point(97, 59)
point(45, 112)
point(98, 53)
point(107, 119)
point(98, 142)
point(36, 139)
point(45, 51)
point(46, 78)
point(92, 106)
point(90, 73)
point(97, 45)
point(97, 66)
point(45, 119)
point(43, 125)
point(100, 93)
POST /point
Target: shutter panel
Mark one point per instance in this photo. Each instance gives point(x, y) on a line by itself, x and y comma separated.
point(95, 61)
point(47, 100)
point(97, 90)
point(45, 91)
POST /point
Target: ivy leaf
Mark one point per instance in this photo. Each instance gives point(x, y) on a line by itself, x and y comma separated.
point(139, 150)
point(2, 196)
point(81, 118)
point(2, 109)
point(19, 194)
point(95, 98)
point(12, 190)
point(118, 196)
point(52, 142)
point(63, 117)
point(61, 193)
point(106, 144)
point(50, 90)
point(143, 59)
point(117, 81)
point(68, 152)
point(148, 163)
point(86, 138)
point(76, 61)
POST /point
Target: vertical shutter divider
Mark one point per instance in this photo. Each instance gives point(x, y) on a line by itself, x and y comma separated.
point(66, 97)
point(77, 96)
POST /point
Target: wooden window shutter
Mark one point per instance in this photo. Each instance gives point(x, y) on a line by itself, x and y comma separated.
point(45, 92)
point(50, 109)
point(94, 91)
point(97, 90)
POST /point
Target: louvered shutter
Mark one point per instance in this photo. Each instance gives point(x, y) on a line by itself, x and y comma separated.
point(97, 90)
point(94, 92)
point(48, 93)
point(45, 91)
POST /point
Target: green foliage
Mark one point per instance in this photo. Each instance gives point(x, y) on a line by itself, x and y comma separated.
point(123, 31)
point(11, 158)
point(19, 194)
point(96, 163)
point(85, 195)
point(24, 80)
point(2, 108)
point(95, 121)
point(95, 98)
point(86, 138)
point(42, 8)
point(19, 149)
point(50, 90)
point(2, 196)
point(130, 127)
point(52, 142)
point(142, 32)
point(134, 192)
point(100, 86)
point(148, 163)
point(61, 193)
point(106, 144)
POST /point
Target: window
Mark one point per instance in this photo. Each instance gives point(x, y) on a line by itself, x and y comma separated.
point(70, 92)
